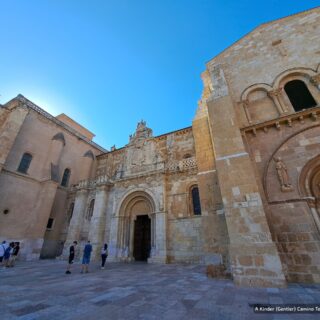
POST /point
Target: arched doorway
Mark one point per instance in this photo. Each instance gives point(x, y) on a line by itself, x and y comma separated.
point(136, 227)
point(142, 238)
point(309, 184)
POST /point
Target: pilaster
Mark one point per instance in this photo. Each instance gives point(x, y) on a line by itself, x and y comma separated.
point(77, 218)
point(98, 221)
point(159, 251)
point(254, 257)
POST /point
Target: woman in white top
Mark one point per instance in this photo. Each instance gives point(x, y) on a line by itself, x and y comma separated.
point(104, 254)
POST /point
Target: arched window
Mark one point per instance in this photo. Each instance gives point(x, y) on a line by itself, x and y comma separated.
point(196, 206)
point(25, 163)
point(70, 211)
point(299, 95)
point(90, 210)
point(65, 178)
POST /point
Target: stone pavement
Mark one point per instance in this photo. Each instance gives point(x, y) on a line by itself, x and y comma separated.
point(41, 290)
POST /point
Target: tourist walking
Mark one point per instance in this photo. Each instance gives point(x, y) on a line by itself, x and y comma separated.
point(86, 257)
point(14, 254)
point(3, 247)
point(104, 255)
point(72, 250)
point(7, 254)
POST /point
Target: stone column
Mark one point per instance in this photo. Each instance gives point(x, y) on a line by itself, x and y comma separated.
point(254, 257)
point(77, 219)
point(246, 110)
point(113, 240)
point(159, 252)
point(276, 96)
point(98, 221)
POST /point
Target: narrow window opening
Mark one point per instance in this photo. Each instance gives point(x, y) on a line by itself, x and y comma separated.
point(299, 95)
point(50, 224)
point(65, 178)
point(25, 163)
point(196, 201)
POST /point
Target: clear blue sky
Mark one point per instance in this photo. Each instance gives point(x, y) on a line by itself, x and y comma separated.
point(109, 63)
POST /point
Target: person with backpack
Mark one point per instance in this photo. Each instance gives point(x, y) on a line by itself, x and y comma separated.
point(14, 254)
point(104, 255)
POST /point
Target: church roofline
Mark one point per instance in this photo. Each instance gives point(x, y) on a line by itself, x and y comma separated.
point(156, 137)
point(47, 115)
point(171, 132)
point(75, 122)
point(260, 26)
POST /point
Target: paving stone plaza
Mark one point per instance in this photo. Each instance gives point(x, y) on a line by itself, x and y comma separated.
point(42, 290)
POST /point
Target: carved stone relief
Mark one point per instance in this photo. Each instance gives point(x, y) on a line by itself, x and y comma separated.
point(283, 176)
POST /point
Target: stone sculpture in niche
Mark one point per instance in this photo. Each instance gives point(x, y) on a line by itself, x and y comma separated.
point(283, 176)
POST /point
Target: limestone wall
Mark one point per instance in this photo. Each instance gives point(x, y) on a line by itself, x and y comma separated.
point(31, 198)
point(289, 211)
point(263, 56)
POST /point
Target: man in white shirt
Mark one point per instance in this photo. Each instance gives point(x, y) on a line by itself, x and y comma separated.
point(3, 247)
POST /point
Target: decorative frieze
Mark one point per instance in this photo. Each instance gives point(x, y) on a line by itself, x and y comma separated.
point(182, 165)
point(288, 120)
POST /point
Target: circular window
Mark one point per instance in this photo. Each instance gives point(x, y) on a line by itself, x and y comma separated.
point(6, 211)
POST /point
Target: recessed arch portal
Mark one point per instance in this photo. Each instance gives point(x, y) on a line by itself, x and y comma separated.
point(136, 230)
point(309, 187)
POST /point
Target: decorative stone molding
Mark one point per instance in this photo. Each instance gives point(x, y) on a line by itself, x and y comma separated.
point(142, 133)
point(245, 104)
point(311, 114)
point(88, 184)
point(315, 80)
point(182, 165)
point(276, 96)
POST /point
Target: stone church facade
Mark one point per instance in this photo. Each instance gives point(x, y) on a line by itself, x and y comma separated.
point(240, 187)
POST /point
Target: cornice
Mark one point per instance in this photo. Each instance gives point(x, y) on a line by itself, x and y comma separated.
point(287, 120)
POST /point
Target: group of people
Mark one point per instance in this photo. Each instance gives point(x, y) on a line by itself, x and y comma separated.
point(86, 256)
point(9, 253)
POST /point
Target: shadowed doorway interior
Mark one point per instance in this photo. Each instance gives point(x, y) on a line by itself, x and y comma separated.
point(142, 238)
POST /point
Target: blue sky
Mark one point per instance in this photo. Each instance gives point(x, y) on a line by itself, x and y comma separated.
point(110, 63)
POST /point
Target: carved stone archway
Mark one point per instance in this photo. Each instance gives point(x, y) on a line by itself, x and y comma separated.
point(136, 204)
point(309, 187)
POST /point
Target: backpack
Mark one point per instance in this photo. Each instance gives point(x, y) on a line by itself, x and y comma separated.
point(104, 251)
point(7, 253)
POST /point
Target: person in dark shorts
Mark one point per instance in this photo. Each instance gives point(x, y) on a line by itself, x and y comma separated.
point(86, 257)
point(72, 250)
point(104, 255)
point(14, 254)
